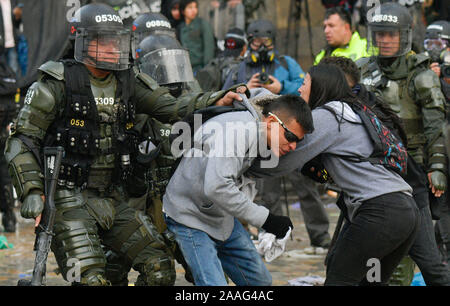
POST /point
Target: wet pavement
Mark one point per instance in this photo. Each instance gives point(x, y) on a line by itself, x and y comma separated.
point(17, 262)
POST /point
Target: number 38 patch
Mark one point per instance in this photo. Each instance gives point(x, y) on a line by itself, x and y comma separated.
point(29, 96)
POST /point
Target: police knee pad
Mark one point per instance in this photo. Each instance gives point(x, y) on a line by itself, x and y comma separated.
point(117, 269)
point(76, 244)
point(93, 278)
point(157, 271)
point(139, 239)
point(403, 273)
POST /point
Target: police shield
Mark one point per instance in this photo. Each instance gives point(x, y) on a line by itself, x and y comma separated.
point(168, 66)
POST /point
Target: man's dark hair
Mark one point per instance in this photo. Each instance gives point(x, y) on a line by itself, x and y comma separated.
point(347, 65)
point(184, 3)
point(291, 106)
point(343, 14)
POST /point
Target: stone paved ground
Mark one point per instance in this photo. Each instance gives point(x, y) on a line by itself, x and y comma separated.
point(18, 262)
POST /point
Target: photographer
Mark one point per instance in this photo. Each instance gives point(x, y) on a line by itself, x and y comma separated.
point(264, 67)
point(437, 46)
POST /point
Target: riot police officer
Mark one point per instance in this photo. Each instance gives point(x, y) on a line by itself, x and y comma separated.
point(437, 46)
point(403, 79)
point(164, 59)
point(8, 111)
point(151, 23)
point(88, 106)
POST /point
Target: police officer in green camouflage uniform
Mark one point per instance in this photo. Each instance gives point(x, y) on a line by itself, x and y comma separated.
point(88, 106)
point(9, 99)
point(403, 79)
point(163, 58)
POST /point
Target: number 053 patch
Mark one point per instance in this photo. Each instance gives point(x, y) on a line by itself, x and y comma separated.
point(76, 122)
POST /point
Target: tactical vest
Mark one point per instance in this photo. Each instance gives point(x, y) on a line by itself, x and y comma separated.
point(161, 168)
point(399, 94)
point(94, 131)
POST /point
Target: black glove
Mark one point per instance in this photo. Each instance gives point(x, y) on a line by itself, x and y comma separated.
point(277, 225)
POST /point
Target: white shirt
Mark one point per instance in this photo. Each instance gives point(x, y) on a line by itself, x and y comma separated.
point(7, 23)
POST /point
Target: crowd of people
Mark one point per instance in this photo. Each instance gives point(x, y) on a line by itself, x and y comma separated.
point(371, 113)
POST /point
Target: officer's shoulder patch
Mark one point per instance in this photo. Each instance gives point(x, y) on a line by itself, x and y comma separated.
point(426, 78)
point(54, 69)
point(362, 62)
point(147, 80)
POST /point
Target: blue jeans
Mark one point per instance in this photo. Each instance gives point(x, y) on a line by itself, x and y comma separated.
point(209, 258)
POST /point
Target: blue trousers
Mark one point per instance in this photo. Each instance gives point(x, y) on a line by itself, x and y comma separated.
point(209, 258)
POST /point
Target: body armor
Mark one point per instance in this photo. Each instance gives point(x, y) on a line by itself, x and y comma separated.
point(409, 96)
point(94, 128)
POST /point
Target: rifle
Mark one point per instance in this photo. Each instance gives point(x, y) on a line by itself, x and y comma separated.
point(44, 232)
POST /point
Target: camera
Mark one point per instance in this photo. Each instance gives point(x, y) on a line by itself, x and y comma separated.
point(445, 70)
point(263, 78)
point(445, 66)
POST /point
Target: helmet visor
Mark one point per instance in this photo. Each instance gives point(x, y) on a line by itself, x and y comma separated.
point(108, 50)
point(138, 36)
point(435, 44)
point(167, 66)
point(388, 41)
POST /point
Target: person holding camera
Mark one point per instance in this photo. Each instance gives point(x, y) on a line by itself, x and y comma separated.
point(264, 67)
point(437, 46)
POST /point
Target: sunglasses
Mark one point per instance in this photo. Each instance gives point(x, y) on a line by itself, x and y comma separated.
point(291, 137)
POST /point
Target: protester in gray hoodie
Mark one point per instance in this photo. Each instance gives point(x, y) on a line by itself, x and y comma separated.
point(208, 192)
point(381, 213)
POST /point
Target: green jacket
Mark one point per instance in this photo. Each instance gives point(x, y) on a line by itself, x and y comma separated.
point(45, 102)
point(355, 49)
point(413, 91)
point(198, 38)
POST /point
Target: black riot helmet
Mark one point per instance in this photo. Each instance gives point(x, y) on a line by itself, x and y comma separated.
point(437, 39)
point(390, 31)
point(262, 52)
point(101, 41)
point(164, 59)
point(151, 23)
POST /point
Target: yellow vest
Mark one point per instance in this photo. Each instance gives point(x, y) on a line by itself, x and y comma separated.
point(355, 49)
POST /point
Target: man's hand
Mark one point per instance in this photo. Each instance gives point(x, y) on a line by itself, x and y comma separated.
point(277, 225)
point(275, 85)
point(254, 82)
point(32, 206)
point(436, 68)
point(215, 4)
point(233, 3)
point(230, 96)
point(17, 12)
point(438, 183)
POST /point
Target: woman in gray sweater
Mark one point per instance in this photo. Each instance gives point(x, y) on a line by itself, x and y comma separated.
point(381, 213)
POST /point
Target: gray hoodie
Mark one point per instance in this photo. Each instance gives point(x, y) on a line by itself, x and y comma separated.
point(360, 181)
point(208, 192)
